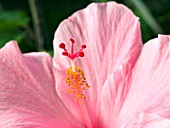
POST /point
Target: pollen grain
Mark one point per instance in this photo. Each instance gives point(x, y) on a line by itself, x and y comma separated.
point(76, 82)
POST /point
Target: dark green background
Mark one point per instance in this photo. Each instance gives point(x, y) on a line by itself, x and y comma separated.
point(16, 21)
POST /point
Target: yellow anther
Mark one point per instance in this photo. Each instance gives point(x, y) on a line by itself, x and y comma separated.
point(69, 91)
point(84, 97)
point(75, 100)
point(78, 68)
point(76, 82)
point(87, 86)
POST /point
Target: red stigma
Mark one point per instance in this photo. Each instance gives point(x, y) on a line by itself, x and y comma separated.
point(71, 54)
point(65, 53)
point(81, 54)
point(72, 40)
point(83, 46)
point(62, 46)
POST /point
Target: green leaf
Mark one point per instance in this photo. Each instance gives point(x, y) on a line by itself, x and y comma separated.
point(100, 0)
point(12, 25)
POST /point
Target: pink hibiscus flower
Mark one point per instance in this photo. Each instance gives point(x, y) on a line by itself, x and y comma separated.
point(129, 82)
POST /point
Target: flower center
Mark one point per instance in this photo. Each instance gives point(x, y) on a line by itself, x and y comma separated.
point(76, 80)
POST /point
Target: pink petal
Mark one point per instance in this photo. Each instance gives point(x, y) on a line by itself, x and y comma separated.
point(148, 120)
point(150, 82)
point(113, 95)
point(112, 35)
point(27, 92)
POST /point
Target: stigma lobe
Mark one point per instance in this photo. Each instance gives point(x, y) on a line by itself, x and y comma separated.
point(72, 55)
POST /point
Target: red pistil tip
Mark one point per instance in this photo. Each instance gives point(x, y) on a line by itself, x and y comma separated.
point(72, 40)
point(81, 54)
point(62, 46)
point(72, 55)
point(65, 53)
point(83, 46)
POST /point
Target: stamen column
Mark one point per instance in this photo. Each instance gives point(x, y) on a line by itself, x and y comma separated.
point(76, 81)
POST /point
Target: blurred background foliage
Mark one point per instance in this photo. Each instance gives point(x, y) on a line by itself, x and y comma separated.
point(33, 22)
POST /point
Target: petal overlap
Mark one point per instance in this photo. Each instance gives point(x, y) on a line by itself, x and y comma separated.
point(112, 35)
point(150, 82)
point(27, 91)
point(129, 82)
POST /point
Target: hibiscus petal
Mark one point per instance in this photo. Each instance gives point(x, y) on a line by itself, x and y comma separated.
point(113, 95)
point(27, 92)
point(148, 120)
point(150, 82)
point(112, 35)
